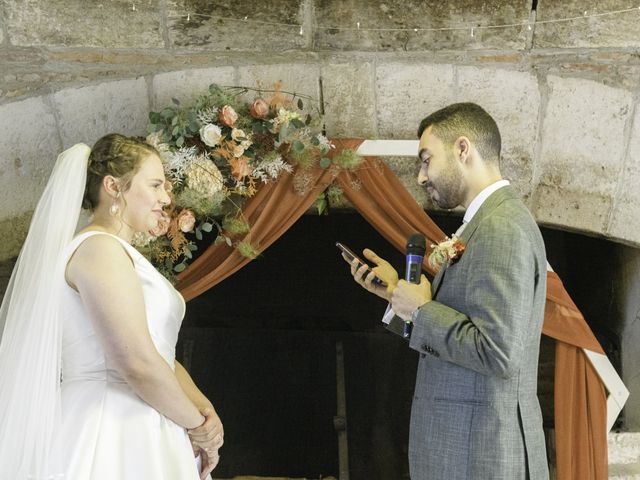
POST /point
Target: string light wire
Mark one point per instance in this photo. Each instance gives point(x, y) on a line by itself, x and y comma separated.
point(467, 26)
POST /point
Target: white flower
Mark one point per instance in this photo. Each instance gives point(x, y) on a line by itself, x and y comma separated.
point(284, 117)
point(238, 135)
point(242, 138)
point(203, 176)
point(211, 134)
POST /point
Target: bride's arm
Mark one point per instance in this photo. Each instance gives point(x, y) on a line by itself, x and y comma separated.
point(206, 433)
point(102, 272)
point(190, 389)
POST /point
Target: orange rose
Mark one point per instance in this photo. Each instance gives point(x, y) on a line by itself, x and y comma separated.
point(259, 109)
point(186, 220)
point(162, 227)
point(227, 116)
point(240, 167)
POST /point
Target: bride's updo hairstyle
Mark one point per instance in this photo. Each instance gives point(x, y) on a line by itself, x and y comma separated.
point(114, 155)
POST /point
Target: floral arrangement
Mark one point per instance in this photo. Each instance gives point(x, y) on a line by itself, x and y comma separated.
point(449, 250)
point(216, 152)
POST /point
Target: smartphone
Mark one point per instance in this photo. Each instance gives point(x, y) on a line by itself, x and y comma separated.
point(350, 255)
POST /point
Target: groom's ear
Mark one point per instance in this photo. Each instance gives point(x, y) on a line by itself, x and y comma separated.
point(462, 149)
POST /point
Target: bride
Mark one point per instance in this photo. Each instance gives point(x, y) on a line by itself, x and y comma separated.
point(89, 386)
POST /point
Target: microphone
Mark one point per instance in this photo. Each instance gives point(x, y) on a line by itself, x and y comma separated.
point(416, 248)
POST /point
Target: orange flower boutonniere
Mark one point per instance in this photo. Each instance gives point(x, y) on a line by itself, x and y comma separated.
point(448, 251)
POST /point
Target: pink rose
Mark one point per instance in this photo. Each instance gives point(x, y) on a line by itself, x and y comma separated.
point(259, 109)
point(227, 116)
point(186, 220)
point(162, 227)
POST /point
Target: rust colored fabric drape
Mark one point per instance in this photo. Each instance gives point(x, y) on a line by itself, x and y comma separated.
point(580, 398)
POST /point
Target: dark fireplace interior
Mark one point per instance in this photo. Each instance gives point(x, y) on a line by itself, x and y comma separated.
point(267, 343)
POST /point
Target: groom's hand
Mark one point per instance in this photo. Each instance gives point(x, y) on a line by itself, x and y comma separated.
point(408, 297)
point(383, 270)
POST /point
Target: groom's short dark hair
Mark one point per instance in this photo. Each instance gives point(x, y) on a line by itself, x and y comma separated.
point(470, 120)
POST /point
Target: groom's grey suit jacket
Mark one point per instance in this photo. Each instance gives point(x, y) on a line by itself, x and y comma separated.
point(475, 412)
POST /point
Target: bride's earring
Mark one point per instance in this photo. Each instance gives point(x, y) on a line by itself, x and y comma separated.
point(115, 208)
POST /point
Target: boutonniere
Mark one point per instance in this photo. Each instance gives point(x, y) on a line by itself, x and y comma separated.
point(448, 250)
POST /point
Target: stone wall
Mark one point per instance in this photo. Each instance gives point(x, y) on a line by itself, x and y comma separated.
point(565, 94)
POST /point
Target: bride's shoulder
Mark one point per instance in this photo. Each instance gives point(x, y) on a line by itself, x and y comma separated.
point(94, 246)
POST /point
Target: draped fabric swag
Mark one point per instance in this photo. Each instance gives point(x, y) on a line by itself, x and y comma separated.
point(378, 195)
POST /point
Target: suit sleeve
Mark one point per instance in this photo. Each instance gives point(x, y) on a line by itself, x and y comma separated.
point(489, 335)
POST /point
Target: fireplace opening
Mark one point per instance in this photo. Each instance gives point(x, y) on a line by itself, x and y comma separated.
point(266, 346)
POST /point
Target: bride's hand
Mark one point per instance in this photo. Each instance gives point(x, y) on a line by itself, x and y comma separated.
point(209, 462)
point(210, 432)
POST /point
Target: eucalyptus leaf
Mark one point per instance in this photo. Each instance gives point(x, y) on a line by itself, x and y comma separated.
point(315, 141)
point(187, 253)
point(176, 101)
point(207, 227)
point(180, 141)
point(298, 146)
point(297, 123)
point(325, 162)
point(198, 234)
point(175, 130)
point(179, 268)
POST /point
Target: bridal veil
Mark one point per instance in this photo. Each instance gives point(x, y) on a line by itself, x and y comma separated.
point(30, 348)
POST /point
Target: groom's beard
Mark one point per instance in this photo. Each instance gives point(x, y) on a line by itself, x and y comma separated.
point(448, 195)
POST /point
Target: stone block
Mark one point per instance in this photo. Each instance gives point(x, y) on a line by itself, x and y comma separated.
point(188, 85)
point(617, 30)
point(512, 98)
point(444, 25)
point(300, 78)
point(13, 232)
point(624, 455)
point(407, 92)
point(582, 153)
point(625, 219)
point(77, 23)
point(29, 145)
point(86, 114)
point(220, 26)
point(349, 100)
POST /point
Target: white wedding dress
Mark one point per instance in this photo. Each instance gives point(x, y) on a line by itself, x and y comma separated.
point(108, 432)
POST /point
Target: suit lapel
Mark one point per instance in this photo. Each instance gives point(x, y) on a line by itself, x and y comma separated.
point(486, 209)
point(489, 205)
point(437, 280)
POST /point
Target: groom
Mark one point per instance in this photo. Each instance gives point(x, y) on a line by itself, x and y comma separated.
point(475, 412)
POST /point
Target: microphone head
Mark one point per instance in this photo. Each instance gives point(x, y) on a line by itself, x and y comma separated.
point(416, 245)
